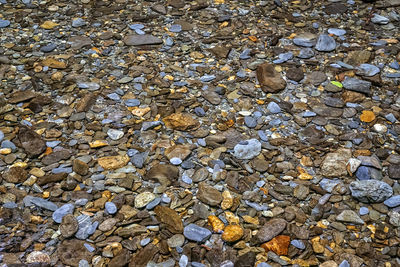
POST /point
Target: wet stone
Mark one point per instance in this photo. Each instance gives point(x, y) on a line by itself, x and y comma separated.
point(196, 233)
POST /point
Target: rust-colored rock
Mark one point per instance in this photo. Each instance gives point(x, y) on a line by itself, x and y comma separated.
point(181, 122)
point(279, 245)
point(216, 224)
point(113, 162)
point(270, 80)
point(367, 116)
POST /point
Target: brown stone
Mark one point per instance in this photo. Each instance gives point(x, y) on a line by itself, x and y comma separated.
point(52, 178)
point(86, 102)
point(352, 97)
point(181, 122)
point(70, 252)
point(15, 175)
point(270, 229)
point(80, 167)
point(270, 80)
point(56, 156)
point(33, 144)
point(163, 173)
point(279, 245)
point(145, 255)
point(21, 96)
point(170, 218)
point(209, 195)
point(121, 259)
point(69, 225)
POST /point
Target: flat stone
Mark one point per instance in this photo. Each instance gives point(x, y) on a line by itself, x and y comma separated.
point(270, 229)
point(143, 199)
point(270, 80)
point(196, 233)
point(33, 144)
point(144, 39)
point(69, 226)
point(325, 43)
point(62, 211)
point(170, 218)
point(357, 85)
point(350, 217)
point(247, 149)
point(371, 191)
point(394, 171)
point(393, 201)
point(334, 164)
point(209, 195)
point(71, 251)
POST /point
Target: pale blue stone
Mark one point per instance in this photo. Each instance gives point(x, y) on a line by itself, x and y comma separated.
point(394, 65)
point(298, 244)
point(59, 213)
point(367, 70)
point(283, 57)
point(4, 23)
point(90, 248)
point(337, 32)
point(111, 208)
point(307, 114)
point(245, 54)
point(306, 53)
point(140, 32)
point(83, 263)
point(153, 203)
point(393, 201)
point(78, 22)
point(273, 107)
point(175, 28)
point(344, 263)
point(136, 26)
point(390, 117)
point(114, 96)
point(207, 78)
point(196, 233)
point(8, 144)
point(132, 102)
point(186, 179)
point(328, 184)
point(145, 241)
point(325, 43)
point(363, 211)
point(378, 19)
point(1, 136)
point(183, 261)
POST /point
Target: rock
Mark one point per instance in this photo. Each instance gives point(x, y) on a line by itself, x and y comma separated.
point(246, 260)
point(21, 96)
point(80, 167)
point(56, 156)
point(278, 244)
point(144, 39)
point(394, 171)
point(115, 134)
point(316, 77)
point(350, 217)
point(357, 85)
point(38, 256)
point(247, 149)
point(79, 42)
point(270, 229)
point(209, 195)
point(367, 70)
point(217, 225)
point(31, 142)
point(196, 233)
point(232, 233)
point(273, 108)
point(269, 79)
point(393, 201)
point(70, 252)
point(325, 43)
point(371, 191)
point(107, 224)
point(15, 175)
point(69, 226)
point(295, 74)
point(163, 173)
point(141, 258)
point(176, 241)
point(305, 40)
point(113, 162)
point(110, 207)
point(121, 259)
point(334, 164)
point(170, 218)
point(59, 213)
point(4, 23)
point(181, 122)
point(329, 264)
point(378, 19)
point(143, 199)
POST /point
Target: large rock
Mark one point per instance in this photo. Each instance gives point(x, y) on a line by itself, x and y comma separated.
point(70, 252)
point(370, 191)
point(271, 229)
point(357, 85)
point(145, 39)
point(349, 216)
point(334, 164)
point(394, 171)
point(196, 233)
point(145, 255)
point(247, 149)
point(270, 80)
point(163, 173)
point(209, 195)
point(170, 218)
point(33, 144)
point(325, 43)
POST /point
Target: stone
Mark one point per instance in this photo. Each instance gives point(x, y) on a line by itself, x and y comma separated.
point(378, 19)
point(121, 259)
point(107, 224)
point(79, 42)
point(370, 191)
point(110, 207)
point(273, 107)
point(350, 217)
point(80, 167)
point(278, 244)
point(305, 39)
point(59, 213)
point(141, 258)
point(170, 218)
point(69, 226)
point(113, 162)
point(115, 134)
point(32, 143)
point(367, 70)
point(325, 43)
point(15, 175)
point(176, 241)
point(357, 85)
point(393, 201)
point(181, 122)
point(71, 251)
point(394, 171)
point(209, 195)
point(143, 199)
point(329, 264)
point(270, 229)
point(295, 74)
point(334, 164)
point(269, 79)
point(247, 149)
point(196, 233)
point(232, 233)
point(38, 256)
point(56, 157)
point(144, 39)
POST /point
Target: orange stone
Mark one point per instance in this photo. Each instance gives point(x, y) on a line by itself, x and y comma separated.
point(367, 116)
point(216, 224)
point(181, 122)
point(279, 245)
point(232, 233)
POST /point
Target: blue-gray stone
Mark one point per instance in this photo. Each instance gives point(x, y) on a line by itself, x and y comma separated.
point(378, 19)
point(188, 164)
point(84, 226)
point(298, 244)
point(111, 208)
point(153, 203)
point(395, 65)
point(59, 213)
point(1, 136)
point(344, 65)
point(364, 211)
point(197, 264)
point(263, 264)
point(81, 201)
point(139, 159)
point(207, 78)
point(353, 125)
point(83, 263)
point(250, 121)
point(186, 179)
point(145, 241)
point(245, 54)
point(307, 114)
point(371, 191)
point(248, 150)
point(329, 184)
point(315, 25)
point(201, 142)
point(91, 86)
point(62, 170)
point(393, 201)
point(337, 32)
point(8, 144)
point(175, 28)
point(53, 144)
point(367, 70)
point(393, 75)
point(183, 261)
point(273, 107)
point(306, 53)
point(48, 48)
point(10, 205)
point(169, 41)
point(390, 117)
point(196, 233)
point(325, 43)
point(132, 102)
point(78, 22)
point(283, 57)
point(262, 135)
point(256, 206)
point(199, 111)
point(357, 85)
point(344, 263)
point(4, 23)
point(40, 202)
point(89, 247)
point(114, 96)
point(363, 173)
point(148, 125)
point(175, 161)
point(137, 26)
point(140, 32)
point(304, 41)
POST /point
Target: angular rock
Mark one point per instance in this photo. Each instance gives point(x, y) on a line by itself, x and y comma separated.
point(170, 218)
point(269, 79)
point(33, 144)
point(196, 233)
point(247, 149)
point(270, 229)
point(334, 164)
point(350, 217)
point(209, 195)
point(145, 39)
point(354, 84)
point(371, 191)
point(70, 252)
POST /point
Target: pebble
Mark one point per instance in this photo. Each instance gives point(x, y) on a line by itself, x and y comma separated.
point(393, 201)
point(247, 149)
point(325, 43)
point(196, 233)
point(62, 211)
point(110, 207)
